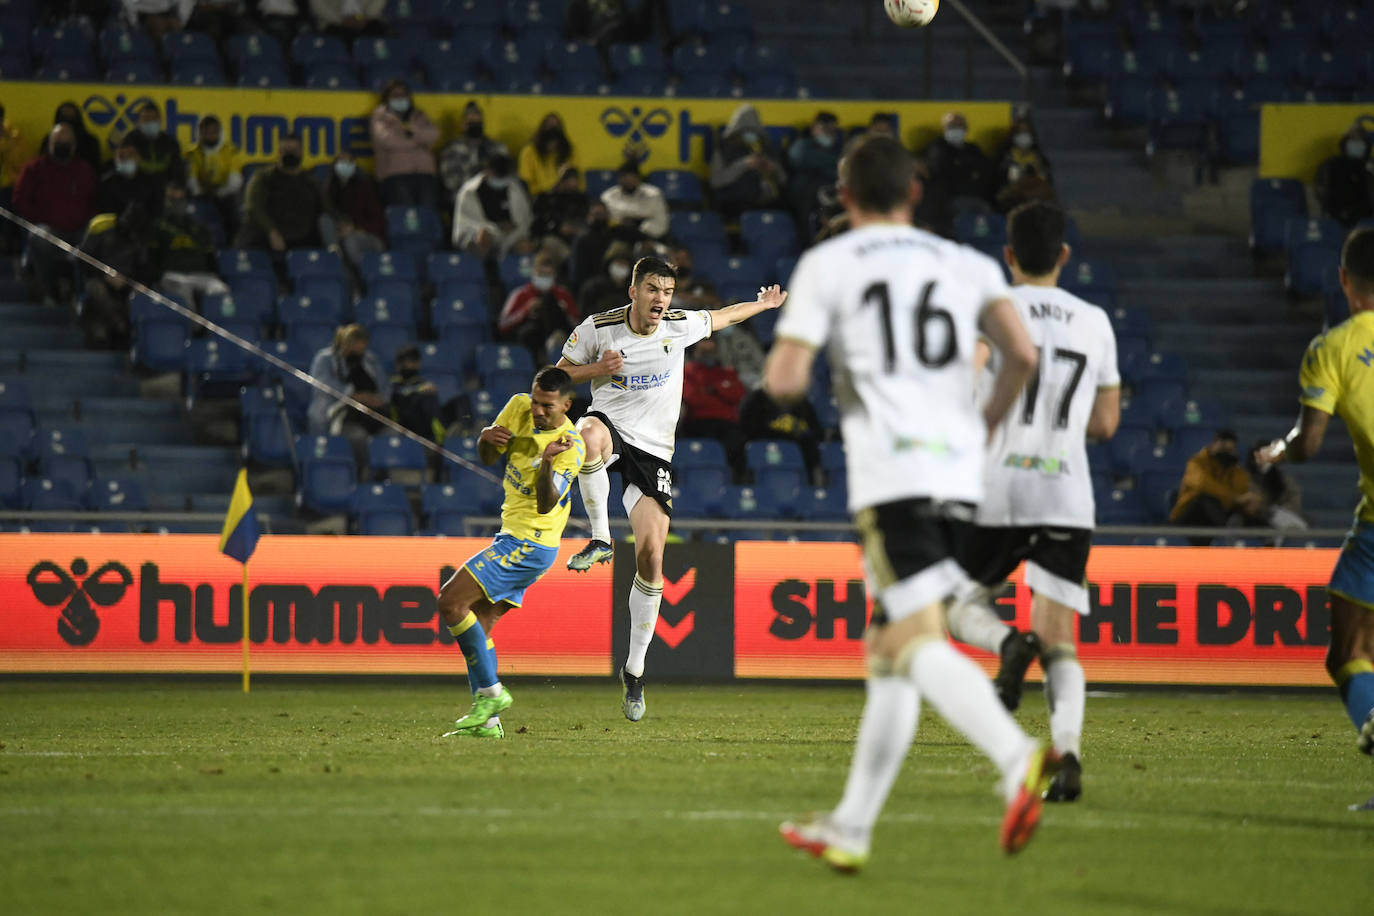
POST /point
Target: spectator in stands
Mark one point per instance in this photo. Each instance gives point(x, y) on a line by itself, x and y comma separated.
point(1216, 489)
point(55, 190)
point(761, 417)
point(599, 22)
point(347, 365)
point(543, 158)
point(352, 193)
point(185, 250)
point(280, 19)
point(492, 216)
point(1345, 182)
point(960, 174)
point(694, 290)
point(415, 399)
point(711, 396)
point(469, 153)
point(87, 146)
point(12, 159)
point(560, 214)
point(1280, 496)
point(214, 169)
point(1023, 172)
point(283, 208)
point(217, 18)
point(403, 138)
point(159, 154)
point(589, 248)
point(540, 314)
point(746, 169)
point(635, 205)
point(124, 182)
point(349, 18)
point(814, 159)
point(124, 242)
point(158, 18)
point(610, 288)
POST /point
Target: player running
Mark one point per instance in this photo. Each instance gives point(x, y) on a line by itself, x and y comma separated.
point(543, 455)
point(1038, 496)
point(634, 356)
point(1337, 377)
point(901, 310)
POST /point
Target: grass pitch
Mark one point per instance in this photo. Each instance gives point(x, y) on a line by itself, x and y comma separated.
point(173, 797)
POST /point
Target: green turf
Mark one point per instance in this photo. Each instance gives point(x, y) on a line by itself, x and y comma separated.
point(152, 797)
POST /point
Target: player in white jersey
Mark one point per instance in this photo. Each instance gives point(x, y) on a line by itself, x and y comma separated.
point(634, 357)
point(900, 310)
point(1039, 502)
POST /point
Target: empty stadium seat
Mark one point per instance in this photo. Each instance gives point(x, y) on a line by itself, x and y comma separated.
point(774, 453)
point(446, 266)
point(118, 494)
point(768, 234)
point(387, 454)
point(825, 504)
point(413, 229)
point(159, 344)
point(446, 506)
point(680, 187)
point(381, 509)
point(390, 265)
point(327, 474)
point(1273, 202)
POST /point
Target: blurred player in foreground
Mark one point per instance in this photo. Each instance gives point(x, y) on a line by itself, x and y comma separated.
point(1337, 377)
point(543, 455)
point(634, 356)
point(901, 310)
point(1038, 506)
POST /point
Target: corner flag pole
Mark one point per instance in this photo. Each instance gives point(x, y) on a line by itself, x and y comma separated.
point(245, 628)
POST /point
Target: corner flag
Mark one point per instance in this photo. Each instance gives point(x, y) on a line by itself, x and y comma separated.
point(240, 535)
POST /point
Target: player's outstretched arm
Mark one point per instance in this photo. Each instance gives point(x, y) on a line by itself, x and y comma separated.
point(492, 442)
point(1303, 441)
point(1003, 327)
point(610, 363)
point(545, 493)
point(770, 297)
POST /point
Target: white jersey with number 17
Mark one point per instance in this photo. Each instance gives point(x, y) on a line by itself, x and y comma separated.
point(1037, 472)
point(899, 308)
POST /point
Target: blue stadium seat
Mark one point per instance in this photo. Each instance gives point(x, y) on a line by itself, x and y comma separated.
point(768, 234)
point(332, 75)
point(267, 439)
point(704, 85)
point(381, 509)
point(598, 181)
point(1125, 444)
point(308, 336)
point(246, 47)
point(500, 357)
point(383, 309)
point(485, 406)
point(680, 187)
point(637, 58)
point(700, 453)
point(46, 495)
point(159, 344)
point(370, 53)
point(1122, 507)
point(326, 311)
point(263, 73)
point(390, 265)
point(444, 266)
point(982, 230)
point(825, 504)
point(1191, 439)
point(61, 42)
point(66, 70)
point(16, 401)
point(327, 476)
point(773, 453)
point(125, 71)
point(1313, 248)
point(1178, 115)
point(515, 270)
point(505, 383)
point(388, 453)
point(461, 320)
point(1191, 412)
point(181, 47)
point(308, 49)
point(119, 44)
point(238, 262)
point(1273, 202)
point(64, 456)
point(692, 227)
point(1162, 366)
point(215, 368)
point(1153, 394)
point(323, 287)
point(464, 447)
point(198, 73)
point(221, 307)
point(401, 297)
point(413, 228)
point(118, 494)
point(445, 507)
point(313, 262)
point(783, 486)
point(1158, 490)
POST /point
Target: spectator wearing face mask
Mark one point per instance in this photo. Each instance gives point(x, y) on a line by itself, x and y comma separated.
point(492, 216)
point(125, 242)
point(124, 182)
point(159, 154)
point(1345, 184)
point(414, 398)
point(634, 205)
point(960, 174)
point(1023, 171)
point(469, 152)
point(352, 194)
point(283, 208)
point(214, 166)
point(347, 365)
point(545, 155)
point(540, 314)
point(560, 214)
point(55, 190)
point(184, 250)
point(403, 138)
point(610, 288)
point(87, 146)
point(813, 159)
point(1215, 490)
point(746, 168)
point(694, 289)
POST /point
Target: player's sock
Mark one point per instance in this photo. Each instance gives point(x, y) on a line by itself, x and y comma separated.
point(644, 599)
point(975, 623)
point(963, 695)
point(1356, 682)
point(888, 725)
point(595, 484)
point(491, 690)
point(477, 651)
point(1066, 693)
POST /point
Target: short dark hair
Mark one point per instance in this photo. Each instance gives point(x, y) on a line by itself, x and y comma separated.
point(408, 351)
point(1226, 434)
point(878, 172)
point(1357, 257)
point(176, 184)
point(652, 267)
point(552, 378)
point(125, 142)
point(290, 138)
point(149, 105)
point(501, 165)
point(628, 167)
point(394, 83)
point(210, 119)
point(1036, 233)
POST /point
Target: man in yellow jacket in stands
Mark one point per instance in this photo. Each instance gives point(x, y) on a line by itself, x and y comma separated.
point(1215, 488)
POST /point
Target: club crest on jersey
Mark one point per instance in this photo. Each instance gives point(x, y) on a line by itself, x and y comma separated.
point(667, 346)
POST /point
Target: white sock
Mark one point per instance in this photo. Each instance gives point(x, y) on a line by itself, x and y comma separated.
point(644, 599)
point(596, 493)
point(975, 623)
point(1067, 695)
point(492, 722)
point(493, 691)
point(885, 733)
point(963, 695)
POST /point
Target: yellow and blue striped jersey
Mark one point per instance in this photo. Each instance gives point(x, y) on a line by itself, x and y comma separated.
point(520, 512)
point(1338, 378)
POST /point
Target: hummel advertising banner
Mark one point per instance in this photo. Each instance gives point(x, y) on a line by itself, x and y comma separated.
point(126, 603)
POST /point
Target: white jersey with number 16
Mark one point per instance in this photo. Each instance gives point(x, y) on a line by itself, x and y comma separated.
point(899, 308)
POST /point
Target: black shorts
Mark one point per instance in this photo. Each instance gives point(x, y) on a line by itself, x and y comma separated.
point(911, 552)
point(650, 473)
point(990, 555)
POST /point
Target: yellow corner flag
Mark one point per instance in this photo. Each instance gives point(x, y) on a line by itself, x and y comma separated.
point(239, 539)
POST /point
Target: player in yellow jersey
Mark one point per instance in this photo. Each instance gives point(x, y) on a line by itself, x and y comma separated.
point(1337, 377)
point(543, 456)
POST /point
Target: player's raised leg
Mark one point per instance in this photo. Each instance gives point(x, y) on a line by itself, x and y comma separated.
point(973, 621)
point(1348, 661)
point(1065, 691)
point(469, 614)
point(595, 484)
point(650, 525)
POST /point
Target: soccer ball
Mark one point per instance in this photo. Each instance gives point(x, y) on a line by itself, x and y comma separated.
point(910, 14)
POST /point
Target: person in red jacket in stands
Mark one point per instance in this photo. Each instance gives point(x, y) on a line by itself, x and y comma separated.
point(56, 190)
point(711, 395)
point(541, 313)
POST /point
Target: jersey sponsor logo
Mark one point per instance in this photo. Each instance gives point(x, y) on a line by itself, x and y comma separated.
point(637, 126)
point(903, 444)
point(640, 382)
point(1047, 466)
point(1366, 357)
